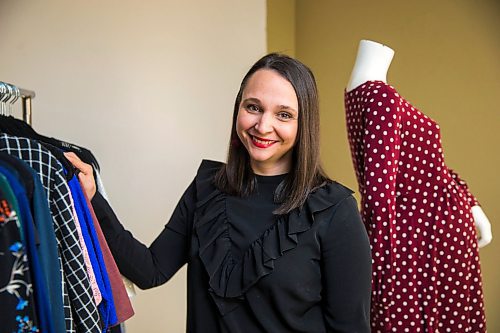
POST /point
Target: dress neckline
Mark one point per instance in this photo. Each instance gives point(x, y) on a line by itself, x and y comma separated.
point(363, 84)
point(275, 179)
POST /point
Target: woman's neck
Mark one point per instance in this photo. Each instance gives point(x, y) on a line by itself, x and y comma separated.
point(272, 168)
point(372, 63)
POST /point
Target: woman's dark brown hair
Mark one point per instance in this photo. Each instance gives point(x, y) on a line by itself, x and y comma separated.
point(236, 176)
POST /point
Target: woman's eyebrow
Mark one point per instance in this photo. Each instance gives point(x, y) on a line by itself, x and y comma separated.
point(252, 99)
point(287, 108)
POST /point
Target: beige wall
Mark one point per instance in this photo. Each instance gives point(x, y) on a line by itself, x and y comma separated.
point(147, 86)
point(446, 63)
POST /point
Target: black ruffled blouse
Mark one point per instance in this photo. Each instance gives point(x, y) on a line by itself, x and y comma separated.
point(250, 270)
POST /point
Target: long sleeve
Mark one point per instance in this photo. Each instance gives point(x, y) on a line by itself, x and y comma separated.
point(382, 139)
point(154, 265)
point(346, 268)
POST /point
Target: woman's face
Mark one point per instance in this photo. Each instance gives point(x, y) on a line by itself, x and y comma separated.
point(267, 122)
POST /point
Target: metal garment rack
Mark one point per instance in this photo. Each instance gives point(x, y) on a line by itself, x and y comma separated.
point(26, 99)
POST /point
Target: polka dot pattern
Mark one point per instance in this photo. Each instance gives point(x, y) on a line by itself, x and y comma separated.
point(426, 272)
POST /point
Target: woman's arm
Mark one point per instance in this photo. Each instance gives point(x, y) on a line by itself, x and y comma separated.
point(149, 266)
point(346, 268)
point(145, 266)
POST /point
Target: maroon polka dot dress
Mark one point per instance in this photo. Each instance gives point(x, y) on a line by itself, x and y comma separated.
point(426, 272)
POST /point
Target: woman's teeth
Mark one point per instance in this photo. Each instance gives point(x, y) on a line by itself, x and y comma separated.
point(264, 142)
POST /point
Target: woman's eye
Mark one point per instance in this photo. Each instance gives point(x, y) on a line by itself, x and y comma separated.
point(285, 115)
point(253, 108)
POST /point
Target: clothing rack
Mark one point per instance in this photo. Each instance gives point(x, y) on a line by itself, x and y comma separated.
point(10, 93)
point(89, 294)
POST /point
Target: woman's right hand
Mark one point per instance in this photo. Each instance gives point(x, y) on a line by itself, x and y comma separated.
point(86, 174)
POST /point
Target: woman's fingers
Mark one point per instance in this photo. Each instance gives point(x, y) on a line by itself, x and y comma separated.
point(86, 174)
point(78, 163)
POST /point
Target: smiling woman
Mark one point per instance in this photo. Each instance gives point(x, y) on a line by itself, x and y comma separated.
point(267, 122)
point(272, 244)
point(277, 101)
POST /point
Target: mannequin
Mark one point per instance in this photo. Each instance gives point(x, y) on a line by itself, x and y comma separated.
point(420, 216)
point(372, 64)
point(483, 225)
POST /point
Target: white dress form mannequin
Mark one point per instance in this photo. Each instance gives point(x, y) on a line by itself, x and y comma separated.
point(372, 63)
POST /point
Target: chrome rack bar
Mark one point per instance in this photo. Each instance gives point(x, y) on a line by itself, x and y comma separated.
point(27, 96)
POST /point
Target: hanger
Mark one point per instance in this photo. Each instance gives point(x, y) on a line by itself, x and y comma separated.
point(6, 125)
point(16, 127)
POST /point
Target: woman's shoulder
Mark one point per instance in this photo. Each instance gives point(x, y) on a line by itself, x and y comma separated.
point(209, 165)
point(333, 206)
point(204, 180)
point(329, 194)
point(323, 199)
point(208, 169)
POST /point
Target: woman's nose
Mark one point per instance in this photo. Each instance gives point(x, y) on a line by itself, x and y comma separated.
point(265, 123)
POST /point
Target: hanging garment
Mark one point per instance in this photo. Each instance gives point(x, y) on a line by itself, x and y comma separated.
point(121, 299)
point(39, 284)
point(80, 310)
point(86, 257)
point(129, 286)
point(17, 303)
point(106, 307)
point(46, 243)
point(15, 127)
point(426, 272)
point(100, 184)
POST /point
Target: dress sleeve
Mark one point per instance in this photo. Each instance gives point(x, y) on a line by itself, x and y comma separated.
point(382, 140)
point(463, 185)
point(149, 266)
point(346, 268)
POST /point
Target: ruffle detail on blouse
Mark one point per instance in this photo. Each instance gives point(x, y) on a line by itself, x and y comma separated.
point(229, 277)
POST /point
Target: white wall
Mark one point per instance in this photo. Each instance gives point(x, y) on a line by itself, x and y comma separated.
point(148, 87)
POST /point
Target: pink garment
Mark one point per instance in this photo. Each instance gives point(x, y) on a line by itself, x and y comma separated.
point(88, 265)
point(123, 306)
point(426, 271)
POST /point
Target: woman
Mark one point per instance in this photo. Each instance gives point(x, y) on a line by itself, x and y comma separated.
point(272, 244)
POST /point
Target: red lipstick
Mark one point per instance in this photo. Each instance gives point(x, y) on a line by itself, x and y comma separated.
point(262, 143)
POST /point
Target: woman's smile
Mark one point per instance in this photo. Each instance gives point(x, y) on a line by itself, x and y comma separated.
point(262, 143)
